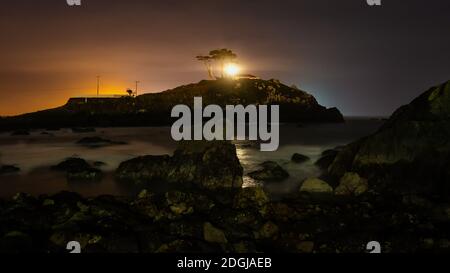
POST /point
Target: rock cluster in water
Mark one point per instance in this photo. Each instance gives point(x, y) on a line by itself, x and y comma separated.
point(205, 164)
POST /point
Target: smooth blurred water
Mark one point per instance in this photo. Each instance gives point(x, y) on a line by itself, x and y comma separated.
point(36, 153)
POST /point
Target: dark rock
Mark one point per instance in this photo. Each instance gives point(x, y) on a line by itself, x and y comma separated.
point(99, 164)
point(410, 151)
point(72, 164)
point(16, 242)
point(6, 169)
point(52, 129)
point(213, 235)
point(209, 165)
point(315, 185)
point(326, 159)
point(268, 231)
point(250, 197)
point(20, 133)
point(270, 171)
point(83, 130)
point(84, 174)
point(145, 168)
point(299, 158)
point(351, 184)
point(98, 142)
point(78, 169)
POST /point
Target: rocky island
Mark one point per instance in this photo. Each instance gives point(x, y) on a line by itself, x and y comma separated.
point(154, 109)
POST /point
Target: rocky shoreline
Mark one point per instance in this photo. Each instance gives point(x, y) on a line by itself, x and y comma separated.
point(209, 211)
point(390, 187)
point(232, 220)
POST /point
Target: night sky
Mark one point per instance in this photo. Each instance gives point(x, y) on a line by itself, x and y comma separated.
point(364, 60)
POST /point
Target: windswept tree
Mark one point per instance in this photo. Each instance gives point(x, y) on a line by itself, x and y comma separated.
point(208, 62)
point(221, 57)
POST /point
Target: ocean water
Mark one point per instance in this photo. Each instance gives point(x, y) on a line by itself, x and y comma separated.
point(36, 153)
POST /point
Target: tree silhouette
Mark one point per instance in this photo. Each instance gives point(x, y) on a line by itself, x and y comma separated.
point(222, 56)
point(207, 61)
point(130, 92)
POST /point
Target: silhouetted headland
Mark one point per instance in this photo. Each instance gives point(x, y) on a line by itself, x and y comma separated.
point(154, 109)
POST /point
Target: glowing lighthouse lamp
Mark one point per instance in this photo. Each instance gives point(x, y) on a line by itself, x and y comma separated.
point(231, 70)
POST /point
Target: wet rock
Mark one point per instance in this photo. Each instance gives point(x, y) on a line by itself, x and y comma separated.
point(16, 242)
point(352, 184)
point(146, 205)
point(213, 235)
point(299, 158)
point(48, 202)
point(24, 199)
point(315, 185)
point(72, 163)
point(145, 168)
point(244, 247)
point(268, 230)
point(83, 130)
point(78, 169)
point(52, 129)
point(411, 149)
point(61, 238)
point(99, 164)
point(417, 201)
point(84, 174)
point(270, 171)
point(6, 169)
point(97, 142)
point(93, 140)
point(180, 202)
point(20, 133)
point(305, 247)
point(207, 164)
point(250, 197)
point(176, 246)
point(326, 159)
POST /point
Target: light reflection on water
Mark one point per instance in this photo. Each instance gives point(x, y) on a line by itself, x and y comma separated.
point(34, 154)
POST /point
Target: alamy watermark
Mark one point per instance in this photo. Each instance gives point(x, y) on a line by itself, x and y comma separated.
point(374, 2)
point(237, 123)
point(73, 2)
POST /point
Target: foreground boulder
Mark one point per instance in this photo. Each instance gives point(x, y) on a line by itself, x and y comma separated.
point(411, 151)
point(315, 185)
point(351, 184)
point(206, 164)
point(270, 171)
